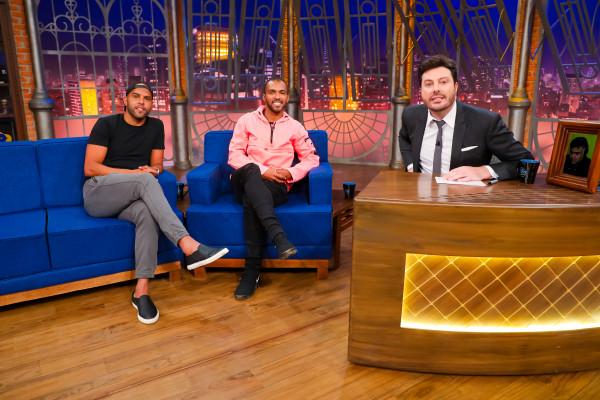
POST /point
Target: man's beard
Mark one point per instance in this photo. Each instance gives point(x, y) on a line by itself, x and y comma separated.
point(270, 107)
point(131, 112)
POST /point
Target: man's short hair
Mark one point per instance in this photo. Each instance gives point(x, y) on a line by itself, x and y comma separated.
point(274, 79)
point(438, 60)
point(579, 141)
point(136, 85)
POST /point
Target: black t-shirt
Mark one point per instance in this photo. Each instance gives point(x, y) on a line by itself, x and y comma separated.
point(128, 146)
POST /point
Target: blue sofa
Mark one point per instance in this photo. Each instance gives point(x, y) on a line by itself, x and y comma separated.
point(48, 244)
point(214, 217)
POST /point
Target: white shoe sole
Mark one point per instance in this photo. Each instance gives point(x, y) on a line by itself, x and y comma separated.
point(208, 260)
point(288, 253)
point(143, 320)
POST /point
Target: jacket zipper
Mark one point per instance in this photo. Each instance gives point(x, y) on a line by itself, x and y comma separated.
point(272, 129)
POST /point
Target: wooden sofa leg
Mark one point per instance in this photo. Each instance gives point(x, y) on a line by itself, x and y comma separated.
point(322, 272)
point(175, 275)
point(199, 273)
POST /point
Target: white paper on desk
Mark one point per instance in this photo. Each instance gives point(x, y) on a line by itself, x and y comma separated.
point(441, 180)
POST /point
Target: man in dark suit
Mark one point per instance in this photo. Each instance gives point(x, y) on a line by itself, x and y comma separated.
point(455, 140)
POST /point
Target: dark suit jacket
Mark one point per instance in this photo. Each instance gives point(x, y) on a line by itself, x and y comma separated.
point(473, 127)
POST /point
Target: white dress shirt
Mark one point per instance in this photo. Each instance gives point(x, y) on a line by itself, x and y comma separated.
point(429, 139)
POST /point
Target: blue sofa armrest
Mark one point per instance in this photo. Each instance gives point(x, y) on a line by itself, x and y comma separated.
point(204, 183)
point(319, 184)
point(168, 182)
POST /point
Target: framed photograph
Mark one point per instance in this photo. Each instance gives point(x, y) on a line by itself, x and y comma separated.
point(575, 161)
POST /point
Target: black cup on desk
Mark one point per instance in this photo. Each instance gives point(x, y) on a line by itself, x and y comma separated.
point(527, 170)
point(349, 189)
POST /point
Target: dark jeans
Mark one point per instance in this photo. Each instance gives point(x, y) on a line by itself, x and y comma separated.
point(259, 198)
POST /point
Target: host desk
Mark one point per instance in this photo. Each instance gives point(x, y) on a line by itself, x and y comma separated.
point(503, 279)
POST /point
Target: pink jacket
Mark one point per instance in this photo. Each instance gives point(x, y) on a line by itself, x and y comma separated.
point(253, 142)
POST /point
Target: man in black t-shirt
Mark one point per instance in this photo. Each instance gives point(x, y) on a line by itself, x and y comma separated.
point(123, 157)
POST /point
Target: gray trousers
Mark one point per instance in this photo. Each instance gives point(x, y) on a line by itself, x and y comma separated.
point(137, 198)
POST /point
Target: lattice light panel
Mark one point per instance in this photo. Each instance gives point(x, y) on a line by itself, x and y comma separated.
point(478, 294)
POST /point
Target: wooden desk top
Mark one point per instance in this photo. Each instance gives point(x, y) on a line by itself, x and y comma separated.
point(409, 188)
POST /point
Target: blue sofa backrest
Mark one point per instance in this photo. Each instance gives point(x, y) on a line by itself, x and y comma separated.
point(20, 181)
point(216, 150)
point(61, 170)
point(216, 145)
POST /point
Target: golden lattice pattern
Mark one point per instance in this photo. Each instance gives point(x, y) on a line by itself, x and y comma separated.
point(506, 294)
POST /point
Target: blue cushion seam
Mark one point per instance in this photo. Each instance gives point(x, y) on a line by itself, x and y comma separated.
point(47, 239)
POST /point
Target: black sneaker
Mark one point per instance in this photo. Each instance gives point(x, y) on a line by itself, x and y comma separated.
point(285, 248)
point(248, 284)
point(204, 255)
point(147, 311)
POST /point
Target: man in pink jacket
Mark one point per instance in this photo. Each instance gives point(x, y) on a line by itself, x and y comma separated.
point(261, 151)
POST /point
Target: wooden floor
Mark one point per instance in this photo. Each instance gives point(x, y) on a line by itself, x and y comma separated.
point(287, 342)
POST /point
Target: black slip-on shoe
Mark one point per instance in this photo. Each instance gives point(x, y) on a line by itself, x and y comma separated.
point(248, 284)
point(285, 249)
point(147, 311)
point(204, 255)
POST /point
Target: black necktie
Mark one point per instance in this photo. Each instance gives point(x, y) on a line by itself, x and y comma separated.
point(437, 154)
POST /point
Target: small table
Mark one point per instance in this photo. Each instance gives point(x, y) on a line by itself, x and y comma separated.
point(343, 216)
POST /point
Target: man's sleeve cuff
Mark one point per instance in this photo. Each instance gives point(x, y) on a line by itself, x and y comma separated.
point(296, 175)
point(492, 172)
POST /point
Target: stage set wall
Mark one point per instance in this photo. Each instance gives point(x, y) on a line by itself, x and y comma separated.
point(351, 64)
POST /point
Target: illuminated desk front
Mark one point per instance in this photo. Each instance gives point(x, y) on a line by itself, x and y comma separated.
point(503, 279)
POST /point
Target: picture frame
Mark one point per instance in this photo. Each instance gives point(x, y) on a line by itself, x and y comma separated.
point(575, 160)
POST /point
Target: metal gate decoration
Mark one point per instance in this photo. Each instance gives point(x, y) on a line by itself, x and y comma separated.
point(568, 79)
point(93, 48)
point(478, 33)
point(234, 46)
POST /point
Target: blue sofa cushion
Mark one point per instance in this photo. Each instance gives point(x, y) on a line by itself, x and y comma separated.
point(23, 248)
point(75, 238)
point(219, 222)
point(306, 224)
point(58, 276)
point(20, 182)
point(222, 222)
point(61, 170)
